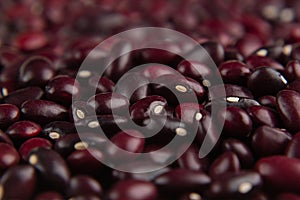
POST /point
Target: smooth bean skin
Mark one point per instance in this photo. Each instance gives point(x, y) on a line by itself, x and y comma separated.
point(280, 173)
point(262, 115)
point(288, 196)
point(9, 114)
point(293, 148)
point(288, 102)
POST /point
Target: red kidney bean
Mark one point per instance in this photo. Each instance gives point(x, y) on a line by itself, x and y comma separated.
point(287, 104)
point(49, 195)
point(134, 86)
point(83, 185)
point(270, 51)
point(226, 162)
point(110, 124)
point(54, 130)
point(256, 61)
point(235, 185)
point(215, 92)
point(291, 70)
point(190, 160)
point(154, 71)
point(127, 189)
point(42, 111)
point(233, 54)
point(293, 149)
point(215, 50)
point(31, 144)
point(267, 141)
point(150, 105)
point(266, 81)
point(295, 85)
point(196, 70)
point(182, 180)
point(18, 97)
point(52, 168)
point(22, 130)
point(101, 84)
point(8, 114)
point(289, 168)
point(175, 88)
point(30, 41)
point(108, 103)
point(4, 138)
point(237, 123)
point(84, 197)
point(62, 89)
point(131, 141)
point(186, 111)
point(9, 156)
point(248, 44)
point(241, 150)
point(164, 156)
point(18, 182)
point(123, 63)
point(289, 196)
point(79, 110)
point(262, 115)
point(86, 161)
point(234, 72)
point(191, 196)
point(268, 100)
point(36, 71)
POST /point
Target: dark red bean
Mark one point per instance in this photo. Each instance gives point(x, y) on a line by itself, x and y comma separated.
point(289, 196)
point(110, 124)
point(182, 180)
point(15, 180)
point(248, 44)
point(79, 110)
point(237, 123)
point(295, 85)
point(18, 97)
point(196, 70)
point(226, 162)
point(288, 168)
point(267, 141)
point(54, 130)
point(31, 144)
point(215, 50)
point(233, 54)
point(127, 189)
point(43, 112)
point(262, 115)
point(108, 103)
point(235, 185)
point(9, 156)
point(8, 114)
point(51, 167)
point(288, 104)
point(256, 61)
point(293, 150)
point(30, 41)
point(83, 185)
point(62, 89)
point(292, 70)
point(134, 86)
point(150, 105)
point(266, 81)
point(234, 72)
point(186, 111)
point(86, 161)
point(22, 130)
point(191, 196)
point(163, 156)
point(123, 51)
point(154, 71)
point(101, 84)
point(268, 100)
point(131, 141)
point(241, 150)
point(49, 195)
point(270, 51)
point(190, 160)
point(4, 138)
point(230, 91)
point(36, 71)
point(177, 88)
point(86, 197)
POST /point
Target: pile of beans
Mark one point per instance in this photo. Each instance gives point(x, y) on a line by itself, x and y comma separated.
point(43, 106)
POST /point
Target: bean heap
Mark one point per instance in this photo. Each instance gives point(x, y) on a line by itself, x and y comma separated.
point(43, 106)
